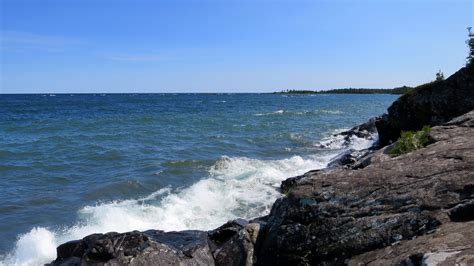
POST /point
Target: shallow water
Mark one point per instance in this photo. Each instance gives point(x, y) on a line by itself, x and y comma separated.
point(72, 165)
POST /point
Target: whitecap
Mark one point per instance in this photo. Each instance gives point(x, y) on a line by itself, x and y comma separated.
point(235, 187)
point(332, 112)
point(272, 113)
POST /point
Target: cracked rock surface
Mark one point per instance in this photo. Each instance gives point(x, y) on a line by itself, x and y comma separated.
point(330, 216)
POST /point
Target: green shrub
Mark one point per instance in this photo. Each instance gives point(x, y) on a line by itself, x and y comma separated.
point(411, 141)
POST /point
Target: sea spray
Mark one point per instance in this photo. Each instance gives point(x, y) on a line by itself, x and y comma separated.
point(236, 187)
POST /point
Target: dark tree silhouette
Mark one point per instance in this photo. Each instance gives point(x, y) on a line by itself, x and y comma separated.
point(470, 43)
point(439, 76)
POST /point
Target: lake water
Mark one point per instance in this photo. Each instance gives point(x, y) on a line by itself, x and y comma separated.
point(72, 165)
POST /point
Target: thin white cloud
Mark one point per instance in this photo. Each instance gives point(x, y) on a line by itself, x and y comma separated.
point(136, 58)
point(17, 40)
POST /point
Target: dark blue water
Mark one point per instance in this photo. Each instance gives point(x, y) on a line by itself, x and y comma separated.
point(71, 165)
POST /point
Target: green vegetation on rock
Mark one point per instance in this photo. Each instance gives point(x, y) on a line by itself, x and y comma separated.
point(411, 141)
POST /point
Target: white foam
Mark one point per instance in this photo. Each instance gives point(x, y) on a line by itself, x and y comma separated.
point(33, 248)
point(235, 187)
point(362, 143)
point(304, 112)
point(337, 141)
point(333, 112)
point(272, 113)
point(154, 195)
point(334, 142)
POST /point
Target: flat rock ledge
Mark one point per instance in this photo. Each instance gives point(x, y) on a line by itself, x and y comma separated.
point(414, 209)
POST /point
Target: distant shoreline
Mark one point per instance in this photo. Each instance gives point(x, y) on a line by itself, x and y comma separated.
point(400, 90)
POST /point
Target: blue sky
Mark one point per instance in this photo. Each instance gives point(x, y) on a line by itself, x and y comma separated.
point(227, 46)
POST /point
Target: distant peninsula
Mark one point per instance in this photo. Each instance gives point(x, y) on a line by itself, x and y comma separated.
point(399, 90)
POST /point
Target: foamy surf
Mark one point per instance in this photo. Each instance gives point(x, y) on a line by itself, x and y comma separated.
point(235, 187)
point(337, 141)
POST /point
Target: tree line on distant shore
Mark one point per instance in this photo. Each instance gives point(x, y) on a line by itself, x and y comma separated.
point(399, 90)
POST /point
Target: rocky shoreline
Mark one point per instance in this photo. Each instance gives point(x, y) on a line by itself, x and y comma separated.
point(366, 208)
point(329, 217)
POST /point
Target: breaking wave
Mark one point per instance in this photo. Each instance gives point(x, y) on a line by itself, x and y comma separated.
point(337, 141)
point(235, 187)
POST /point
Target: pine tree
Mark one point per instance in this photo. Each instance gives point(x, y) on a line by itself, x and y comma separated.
point(439, 76)
point(470, 43)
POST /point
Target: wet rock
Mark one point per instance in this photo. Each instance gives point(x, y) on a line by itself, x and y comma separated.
point(239, 249)
point(230, 244)
point(234, 242)
point(226, 231)
point(138, 248)
point(343, 139)
point(75, 248)
point(351, 159)
point(365, 130)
